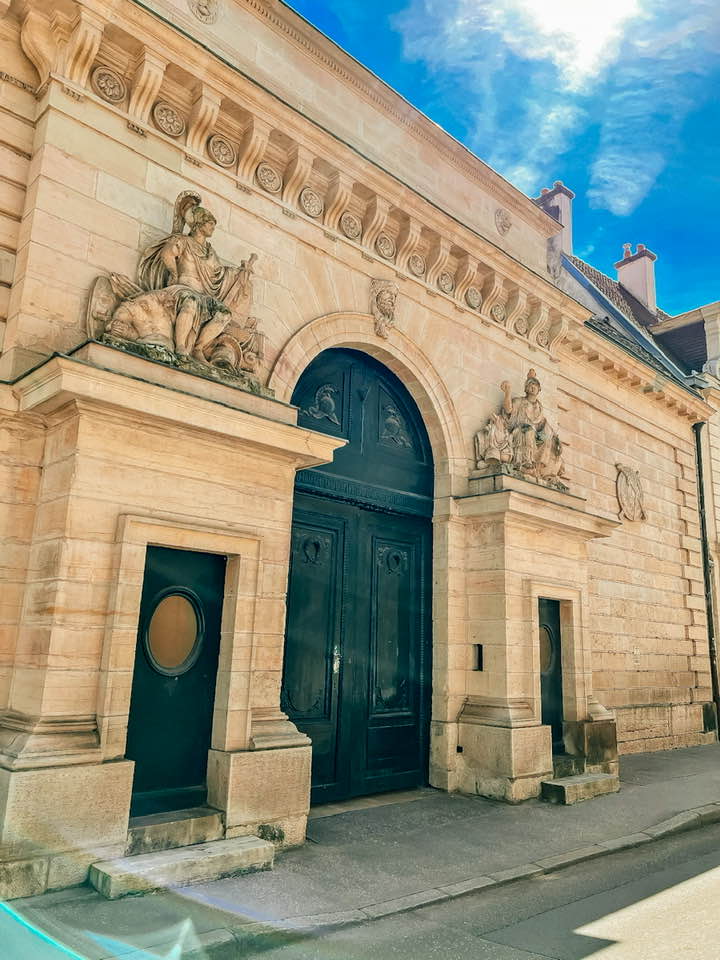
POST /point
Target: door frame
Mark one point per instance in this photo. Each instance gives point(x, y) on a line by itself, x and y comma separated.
point(238, 632)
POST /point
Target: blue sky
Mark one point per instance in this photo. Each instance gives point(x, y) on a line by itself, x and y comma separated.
point(620, 99)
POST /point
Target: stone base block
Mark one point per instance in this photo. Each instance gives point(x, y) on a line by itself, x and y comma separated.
point(595, 740)
point(505, 763)
point(60, 809)
point(266, 792)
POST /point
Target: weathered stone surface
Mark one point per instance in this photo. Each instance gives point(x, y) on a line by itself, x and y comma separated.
point(583, 787)
point(181, 828)
point(186, 865)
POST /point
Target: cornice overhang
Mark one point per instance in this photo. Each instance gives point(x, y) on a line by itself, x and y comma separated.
point(589, 346)
point(63, 381)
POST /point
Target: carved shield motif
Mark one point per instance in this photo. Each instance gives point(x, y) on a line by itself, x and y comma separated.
point(629, 493)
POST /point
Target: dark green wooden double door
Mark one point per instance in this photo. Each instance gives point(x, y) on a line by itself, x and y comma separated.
point(357, 658)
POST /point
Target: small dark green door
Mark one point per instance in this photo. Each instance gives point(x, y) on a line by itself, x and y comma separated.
point(551, 670)
point(357, 657)
point(173, 688)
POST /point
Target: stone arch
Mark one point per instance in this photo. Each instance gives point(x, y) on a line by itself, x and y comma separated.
point(401, 355)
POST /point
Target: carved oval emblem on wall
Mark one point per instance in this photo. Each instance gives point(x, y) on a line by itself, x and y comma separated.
point(503, 220)
point(168, 119)
point(522, 325)
point(268, 178)
point(497, 312)
point(446, 282)
point(311, 202)
point(629, 493)
point(416, 264)
point(473, 297)
point(385, 246)
point(351, 225)
point(108, 84)
point(222, 151)
point(205, 10)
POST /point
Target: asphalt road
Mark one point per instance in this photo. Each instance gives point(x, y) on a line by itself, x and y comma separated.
point(658, 902)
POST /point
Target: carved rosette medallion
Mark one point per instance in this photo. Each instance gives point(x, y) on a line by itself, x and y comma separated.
point(473, 298)
point(311, 202)
point(351, 225)
point(503, 220)
point(498, 313)
point(522, 325)
point(629, 493)
point(108, 84)
point(383, 299)
point(222, 151)
point(543, 338)
point(446, 282)
point(207, 11)
point(417, 265)
point(268, 178)
point(385, 246)
point(168, 119)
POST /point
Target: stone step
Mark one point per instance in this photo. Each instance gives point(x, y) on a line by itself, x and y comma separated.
point(185, 865)
point(178, 828)
point(584, 787)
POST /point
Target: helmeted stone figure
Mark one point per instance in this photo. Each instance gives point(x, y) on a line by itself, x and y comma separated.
point(521, 438)
point(185, 301)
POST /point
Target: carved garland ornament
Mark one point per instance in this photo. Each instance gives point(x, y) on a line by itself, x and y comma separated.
point(268, 178)
point(311, 202)
point(629, 493)
point(351, 225)
point(206, 11)
point(108, 84)
point(168, 119)
point(222, 151)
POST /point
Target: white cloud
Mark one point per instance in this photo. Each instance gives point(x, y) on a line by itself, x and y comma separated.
point(535, 74)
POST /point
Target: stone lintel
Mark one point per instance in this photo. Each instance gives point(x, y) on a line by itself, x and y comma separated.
point(64, 379)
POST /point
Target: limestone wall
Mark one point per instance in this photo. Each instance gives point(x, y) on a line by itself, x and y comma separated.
point(18, 80)
point(647, 603)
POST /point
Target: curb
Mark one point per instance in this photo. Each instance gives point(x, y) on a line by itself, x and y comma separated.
point(689, 820)
point(223, 943)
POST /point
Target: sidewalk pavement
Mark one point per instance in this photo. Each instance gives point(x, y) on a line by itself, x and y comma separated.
point(373, 858)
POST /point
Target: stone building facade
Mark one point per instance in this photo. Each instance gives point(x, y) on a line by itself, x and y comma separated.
point(152, 400)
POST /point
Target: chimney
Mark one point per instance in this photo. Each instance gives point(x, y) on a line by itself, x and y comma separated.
point(558, 203)
point(636, 272)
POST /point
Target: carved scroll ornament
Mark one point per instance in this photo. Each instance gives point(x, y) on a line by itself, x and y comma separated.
point(383, 299)
point(186, 308)
point(520, 440)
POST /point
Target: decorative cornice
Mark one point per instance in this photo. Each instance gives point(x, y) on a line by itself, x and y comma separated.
point(335, 59)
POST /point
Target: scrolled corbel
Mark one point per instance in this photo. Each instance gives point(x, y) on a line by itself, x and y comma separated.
point(338, 196)
point(203, 115)
point(296, 174)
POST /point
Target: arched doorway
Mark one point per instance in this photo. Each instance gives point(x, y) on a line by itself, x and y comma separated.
point(357, 674)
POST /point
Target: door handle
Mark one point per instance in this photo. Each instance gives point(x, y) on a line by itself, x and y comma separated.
point(336, 660)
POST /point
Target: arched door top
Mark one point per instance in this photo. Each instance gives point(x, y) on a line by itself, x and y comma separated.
point(388, 460)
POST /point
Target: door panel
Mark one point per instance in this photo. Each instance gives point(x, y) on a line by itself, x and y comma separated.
point(311, 677)
point(173, 689)
point(551, 670)
point(357, 657)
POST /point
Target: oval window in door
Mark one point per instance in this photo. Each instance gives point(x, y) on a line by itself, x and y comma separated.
point(174, 634)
